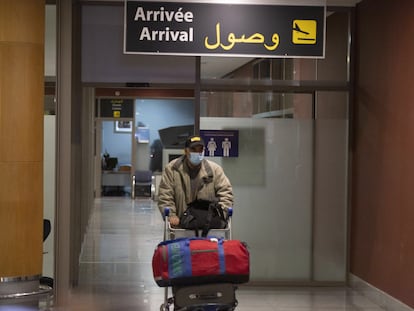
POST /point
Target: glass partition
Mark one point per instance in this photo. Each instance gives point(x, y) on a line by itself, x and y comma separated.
point(256, 105)
point(330, 186)
point(290, 176)
point(289, 180)
point(272, 185)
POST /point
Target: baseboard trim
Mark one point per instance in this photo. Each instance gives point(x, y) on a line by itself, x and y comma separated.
point(376, 295)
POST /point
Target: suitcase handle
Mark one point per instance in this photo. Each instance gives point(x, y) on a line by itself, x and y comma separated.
point(214, 240)
point(188, 239)
point(205, 296)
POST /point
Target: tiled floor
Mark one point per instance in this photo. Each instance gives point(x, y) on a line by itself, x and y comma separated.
point(116, 272)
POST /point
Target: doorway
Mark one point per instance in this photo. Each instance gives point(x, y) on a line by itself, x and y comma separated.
point(114, 141)
point(142, 145)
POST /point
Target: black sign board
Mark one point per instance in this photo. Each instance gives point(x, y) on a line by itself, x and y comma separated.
point(116, 108)
point(175, 28)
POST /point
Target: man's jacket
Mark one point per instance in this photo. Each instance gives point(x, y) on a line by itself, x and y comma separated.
point(175, 188)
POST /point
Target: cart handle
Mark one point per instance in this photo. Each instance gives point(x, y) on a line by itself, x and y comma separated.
point(230, 211)
point(166, 211)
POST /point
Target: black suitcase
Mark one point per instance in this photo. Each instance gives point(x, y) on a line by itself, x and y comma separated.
point(207, 297)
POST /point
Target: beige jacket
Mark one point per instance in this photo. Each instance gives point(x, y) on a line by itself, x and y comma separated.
point(175, 189)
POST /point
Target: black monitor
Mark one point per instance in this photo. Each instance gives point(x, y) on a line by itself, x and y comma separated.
point(175, 136)
point(173, 156)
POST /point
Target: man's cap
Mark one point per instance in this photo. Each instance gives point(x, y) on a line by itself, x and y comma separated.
point(194, 141)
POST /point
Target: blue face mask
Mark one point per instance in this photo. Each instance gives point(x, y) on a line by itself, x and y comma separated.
point(196, 157)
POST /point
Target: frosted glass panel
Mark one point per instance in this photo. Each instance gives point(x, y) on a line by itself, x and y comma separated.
point(330, 225)
point(272, 181)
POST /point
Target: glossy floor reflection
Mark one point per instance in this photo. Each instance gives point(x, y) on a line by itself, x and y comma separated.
point(116, 272)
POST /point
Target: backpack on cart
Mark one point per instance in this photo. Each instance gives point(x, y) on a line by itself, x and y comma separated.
point(203, 215)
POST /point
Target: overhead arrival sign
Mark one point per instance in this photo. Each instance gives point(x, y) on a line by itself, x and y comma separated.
point(174, 28)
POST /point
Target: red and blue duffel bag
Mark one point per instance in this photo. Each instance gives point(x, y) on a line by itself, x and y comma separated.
point(189, 261)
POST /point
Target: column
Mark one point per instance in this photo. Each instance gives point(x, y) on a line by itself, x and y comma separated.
point(21, 144)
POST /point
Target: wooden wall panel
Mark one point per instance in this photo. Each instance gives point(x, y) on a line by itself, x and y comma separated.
point(21, 116)
point(382, 240)
point(22, 21)
point(21, 215)
point(21, 137)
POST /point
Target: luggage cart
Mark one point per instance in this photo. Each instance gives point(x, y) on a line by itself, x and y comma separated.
point(174, 233)
point(204, 297)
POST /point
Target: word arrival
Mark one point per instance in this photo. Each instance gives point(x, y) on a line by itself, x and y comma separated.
point(165, 34)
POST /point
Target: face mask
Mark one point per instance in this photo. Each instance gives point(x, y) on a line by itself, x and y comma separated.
point(196, 157)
